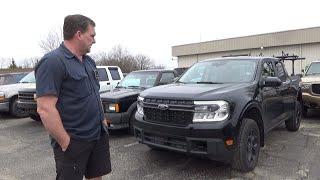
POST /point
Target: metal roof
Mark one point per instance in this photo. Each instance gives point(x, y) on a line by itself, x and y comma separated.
point(283, 38)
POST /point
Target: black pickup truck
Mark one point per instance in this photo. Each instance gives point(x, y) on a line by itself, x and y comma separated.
point(120, 104)
point(220, 109)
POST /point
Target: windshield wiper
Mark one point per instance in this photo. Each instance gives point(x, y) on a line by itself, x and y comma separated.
point(208, 82)
point(120, 87)
point(24, 82)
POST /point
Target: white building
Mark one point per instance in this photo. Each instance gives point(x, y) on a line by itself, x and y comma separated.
point(304, 43)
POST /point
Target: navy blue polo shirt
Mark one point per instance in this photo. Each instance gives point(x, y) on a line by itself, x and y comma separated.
point(76, 85)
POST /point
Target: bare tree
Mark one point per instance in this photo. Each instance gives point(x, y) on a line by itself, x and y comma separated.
point(121, 57)
point(30, 62)
point(4, 62)
point(143, 62)
point(159, 66)
point(52, 41)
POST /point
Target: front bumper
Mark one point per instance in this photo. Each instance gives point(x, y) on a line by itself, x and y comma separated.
point(205, 139)
point(4, 106)
point(28, 106)
point(118, 120)
point(311, 100)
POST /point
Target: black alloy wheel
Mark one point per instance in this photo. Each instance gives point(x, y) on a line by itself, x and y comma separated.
point(252, 146)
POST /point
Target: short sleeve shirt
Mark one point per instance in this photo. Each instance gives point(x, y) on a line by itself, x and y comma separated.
point(76, 85)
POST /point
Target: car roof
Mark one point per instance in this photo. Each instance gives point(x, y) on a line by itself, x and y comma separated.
point(256, 58)
point(154, 70)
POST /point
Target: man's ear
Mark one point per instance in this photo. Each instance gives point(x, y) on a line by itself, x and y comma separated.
point(78, 34)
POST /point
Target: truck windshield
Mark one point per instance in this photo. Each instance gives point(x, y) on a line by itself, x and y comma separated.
point(313, 69)
point(220, 71)
point(139, 80)
point(28, 78)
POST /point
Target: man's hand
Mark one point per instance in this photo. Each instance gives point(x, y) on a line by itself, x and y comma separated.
point(65, 144)
point(105, 122)
point(46, 107)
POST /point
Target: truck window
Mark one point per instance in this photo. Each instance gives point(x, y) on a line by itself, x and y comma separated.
point(114, 73)
point(166, 78)
point(281, 72)
point(267, 69)
point(103, 76)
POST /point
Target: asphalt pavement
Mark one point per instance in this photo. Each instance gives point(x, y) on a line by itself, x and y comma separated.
point(25, 153)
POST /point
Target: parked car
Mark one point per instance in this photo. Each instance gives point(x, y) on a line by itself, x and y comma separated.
point(109, 77)
point(221, 109)
point(120, 103)
point(9, 95)
point(11, 78)
point(310, 85)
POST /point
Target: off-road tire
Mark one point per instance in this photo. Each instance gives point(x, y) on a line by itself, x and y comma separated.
point(248, 146)
point(293, 124)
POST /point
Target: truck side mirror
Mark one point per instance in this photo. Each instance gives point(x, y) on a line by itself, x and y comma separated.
point(270, 82)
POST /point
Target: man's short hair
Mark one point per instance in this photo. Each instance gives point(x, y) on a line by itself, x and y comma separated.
point(74, 23)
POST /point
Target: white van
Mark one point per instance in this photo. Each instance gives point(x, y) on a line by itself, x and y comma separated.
point(109, 77)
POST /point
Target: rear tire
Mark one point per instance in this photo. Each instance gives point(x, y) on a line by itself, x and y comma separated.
point(293, 124)
point(304, 111)
point(248, 146)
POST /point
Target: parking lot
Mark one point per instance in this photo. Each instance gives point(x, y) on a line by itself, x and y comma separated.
point(25, 153)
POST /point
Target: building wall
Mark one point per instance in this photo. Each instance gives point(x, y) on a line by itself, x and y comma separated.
point(309, 51)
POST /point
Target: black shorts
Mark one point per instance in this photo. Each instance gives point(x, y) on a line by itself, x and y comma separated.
point(89, 159)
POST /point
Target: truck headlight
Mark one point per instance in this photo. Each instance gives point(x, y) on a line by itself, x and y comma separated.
point(2, 96)
point(139, 105)
point(211, 111)
point(114, 107)
point(305, 86)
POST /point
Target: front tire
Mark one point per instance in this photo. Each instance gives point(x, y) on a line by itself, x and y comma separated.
point(248, 146)
point(15, 111)
point(35, 117)
point(293, 124)
point(131, 122)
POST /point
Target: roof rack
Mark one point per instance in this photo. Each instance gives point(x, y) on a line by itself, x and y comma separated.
point(292, 58)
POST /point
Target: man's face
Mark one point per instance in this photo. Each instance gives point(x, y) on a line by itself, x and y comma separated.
point(87, 39)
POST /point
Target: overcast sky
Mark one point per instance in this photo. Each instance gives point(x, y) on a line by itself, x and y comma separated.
point(150, 27)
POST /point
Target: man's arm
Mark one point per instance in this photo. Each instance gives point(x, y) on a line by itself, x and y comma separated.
point(46, 107)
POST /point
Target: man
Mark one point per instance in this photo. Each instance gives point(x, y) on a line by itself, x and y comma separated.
point(69, 104)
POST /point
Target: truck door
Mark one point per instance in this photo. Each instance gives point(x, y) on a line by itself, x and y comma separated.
point(287, 91)
point(103, 79)
point(271, 99)
point(116, 76)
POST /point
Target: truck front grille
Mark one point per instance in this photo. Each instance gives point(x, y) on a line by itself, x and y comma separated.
point(179, 112)
point(316, 88)
point(27, 96)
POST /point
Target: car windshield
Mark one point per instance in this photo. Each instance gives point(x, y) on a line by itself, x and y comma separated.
point(28, 78)
point(314, 68)
point(220, 71)
point(11, 78)
point(139, 80)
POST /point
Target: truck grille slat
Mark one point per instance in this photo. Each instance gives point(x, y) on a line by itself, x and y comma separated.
point(29, 96)
point(171, 116)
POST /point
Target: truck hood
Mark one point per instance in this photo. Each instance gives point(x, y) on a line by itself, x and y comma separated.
point(311, 78)
point(120, 93)
point(196, 91)
point(17, 87)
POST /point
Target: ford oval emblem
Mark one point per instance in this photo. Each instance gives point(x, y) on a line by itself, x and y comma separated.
point(163, 107)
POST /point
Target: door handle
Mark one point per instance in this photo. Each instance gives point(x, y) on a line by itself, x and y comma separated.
point(108, 83)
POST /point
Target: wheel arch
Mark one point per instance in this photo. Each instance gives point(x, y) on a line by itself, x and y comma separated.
point(253, 111)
